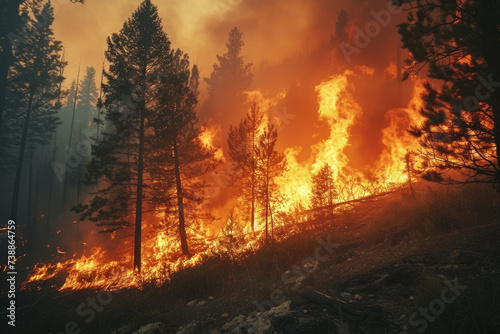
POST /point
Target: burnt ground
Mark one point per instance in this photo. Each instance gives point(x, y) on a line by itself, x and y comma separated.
point(380, 278)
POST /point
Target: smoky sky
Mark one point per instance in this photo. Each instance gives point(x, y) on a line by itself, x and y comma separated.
point(292, 45)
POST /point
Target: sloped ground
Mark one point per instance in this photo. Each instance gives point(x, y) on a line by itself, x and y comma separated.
point(388, 266)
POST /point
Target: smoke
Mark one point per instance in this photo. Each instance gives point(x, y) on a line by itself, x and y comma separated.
point(294, 46)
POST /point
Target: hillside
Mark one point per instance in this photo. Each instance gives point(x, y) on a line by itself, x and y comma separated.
point(379, 266)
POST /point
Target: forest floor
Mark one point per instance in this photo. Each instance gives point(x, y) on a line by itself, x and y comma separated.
point(391, 265)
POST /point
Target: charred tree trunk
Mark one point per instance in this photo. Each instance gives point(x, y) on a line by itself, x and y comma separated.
point(495, 105)
point(180, 201)
point(409, 167)
point(252, 218)
point(330, 198)
point(267, 198)
point(138, 203)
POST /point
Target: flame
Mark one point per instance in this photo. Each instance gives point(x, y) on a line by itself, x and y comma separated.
point(207, 138)
point(111, 268)
point(397, 140)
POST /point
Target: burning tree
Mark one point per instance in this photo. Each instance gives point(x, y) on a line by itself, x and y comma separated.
point(271, 164)
point(119, 165)
point(459, 43)
point(178, 157)
point(323, 192)
point(242, 142)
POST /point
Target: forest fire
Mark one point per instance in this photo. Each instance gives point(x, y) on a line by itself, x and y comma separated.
point(217, 166)
point(99, 268)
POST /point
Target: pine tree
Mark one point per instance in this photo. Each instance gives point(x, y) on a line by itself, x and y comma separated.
point(229, 79)
point(271, 164)
point(179, 158)
point(323, 192)
point(33, 91)
point(119, 166)
point(13, 30)
point(84, 114)
point(87, 99)
point(242, 142)
point(459, 44)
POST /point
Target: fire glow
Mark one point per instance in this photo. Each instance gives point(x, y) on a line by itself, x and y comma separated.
point(99, 268)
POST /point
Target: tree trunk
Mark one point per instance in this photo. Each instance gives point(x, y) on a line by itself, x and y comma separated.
point(6, 60)
point(79, 181)
point(138, 203)
point(65, 186)
point(495, 106)
point(180, 202)
point(29, 212)
point(252, 218)
point(272, 220)
point(51, 188)
point(330, 197)
point(20, 160)
point(267, 198)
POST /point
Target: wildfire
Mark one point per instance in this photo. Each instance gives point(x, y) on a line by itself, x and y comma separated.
point(99, 268)
point(397, 140)
point(207, 138)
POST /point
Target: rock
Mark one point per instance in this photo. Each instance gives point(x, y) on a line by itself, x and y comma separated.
point(345, 295)
point(155, 328)
point(259, 323)
point(448, 267)
point(122, 330)
point(309, 265)
point(279, 310)
point(191, 328)
point(191, 303)
point(211, 298)
point(305, 311)
point(201, 303)
point(412, 298)
point(233, 323)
